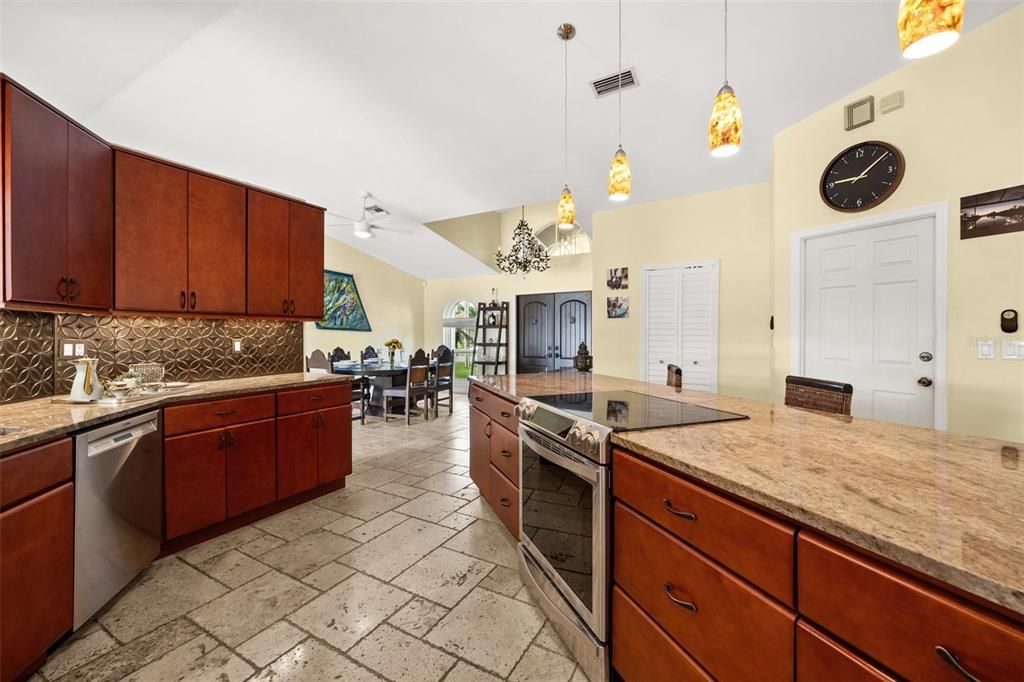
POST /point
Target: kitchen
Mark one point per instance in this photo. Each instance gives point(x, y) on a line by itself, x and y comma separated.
point(551, 525)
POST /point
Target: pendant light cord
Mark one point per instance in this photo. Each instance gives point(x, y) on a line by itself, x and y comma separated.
point(725, 42)
point(565, 112)
point(620, 74)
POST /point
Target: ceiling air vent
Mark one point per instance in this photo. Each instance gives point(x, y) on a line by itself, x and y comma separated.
point(375, 211)
point(610, 84)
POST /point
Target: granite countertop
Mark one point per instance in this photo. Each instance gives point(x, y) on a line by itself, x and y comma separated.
point(42, 419)
point(948, 505)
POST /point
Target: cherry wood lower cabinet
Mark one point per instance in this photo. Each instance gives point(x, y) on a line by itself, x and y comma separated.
point(313, 448)
point(37, 562)
point(494, 454)
point(334, 444)
point(642, 651)
point(480, 450)
point(251, 465)
point(819, 657)
point(195, 493)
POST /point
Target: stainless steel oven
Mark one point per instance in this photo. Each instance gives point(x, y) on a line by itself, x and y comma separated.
point(564, 541)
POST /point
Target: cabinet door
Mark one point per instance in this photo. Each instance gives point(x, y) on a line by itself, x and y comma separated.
point(251, 466)
point(36, 198)
point(480, 450)
point(267, 248)
point(194, 487)
point(334, 444)
point(216, 245)
point(306, 261)
point(90, 219)
point(150, 235)
point(37, 562)
point(296, 454)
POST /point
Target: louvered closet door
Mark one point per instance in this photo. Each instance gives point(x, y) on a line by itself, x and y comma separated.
point(681, 323)
point(661, 315)
point(699, 315)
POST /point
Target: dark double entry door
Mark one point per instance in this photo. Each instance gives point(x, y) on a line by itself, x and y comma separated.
point(550, 328)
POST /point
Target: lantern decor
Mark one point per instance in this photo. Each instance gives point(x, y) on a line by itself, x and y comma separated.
point(583, 361)
point(527, 253)
point(928, 26)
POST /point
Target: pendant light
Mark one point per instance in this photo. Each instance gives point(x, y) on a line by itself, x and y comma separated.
point(927, 27)
point(620, 177)
point(725, 131)
point(566, 204)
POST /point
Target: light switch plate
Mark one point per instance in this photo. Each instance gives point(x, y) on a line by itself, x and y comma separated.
point(67, 350)
point(236, 345)
point(986, 349)
point(1013, 350)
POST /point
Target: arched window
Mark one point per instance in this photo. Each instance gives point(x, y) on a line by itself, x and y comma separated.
point(458, 327)
point(563, 242)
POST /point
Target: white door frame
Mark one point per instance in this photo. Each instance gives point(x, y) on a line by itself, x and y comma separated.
point(708, 262)
point(798, 246)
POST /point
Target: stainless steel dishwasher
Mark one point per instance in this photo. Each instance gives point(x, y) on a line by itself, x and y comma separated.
point(118, 508)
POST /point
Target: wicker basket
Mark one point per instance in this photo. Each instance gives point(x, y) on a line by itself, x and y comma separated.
point(816, 394)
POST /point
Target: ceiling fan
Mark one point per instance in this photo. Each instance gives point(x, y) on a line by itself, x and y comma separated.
point(368, 221)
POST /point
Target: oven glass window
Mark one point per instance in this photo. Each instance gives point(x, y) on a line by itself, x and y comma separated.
point(558, 517)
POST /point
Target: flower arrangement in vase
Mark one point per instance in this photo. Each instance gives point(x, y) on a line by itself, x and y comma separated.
point(392, 345)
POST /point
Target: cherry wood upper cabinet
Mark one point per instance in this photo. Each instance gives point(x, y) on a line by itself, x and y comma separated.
point(151, 235)
point(90, 220)
point(35, 200)
point(267, 230)
point(216, 246)
point(306, 261)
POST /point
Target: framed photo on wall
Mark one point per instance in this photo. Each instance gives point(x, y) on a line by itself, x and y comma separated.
point(618, 307)
point(618, 278)
point(997, 212)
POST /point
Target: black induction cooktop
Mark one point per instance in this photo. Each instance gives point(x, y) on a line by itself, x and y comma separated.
point(631, 411)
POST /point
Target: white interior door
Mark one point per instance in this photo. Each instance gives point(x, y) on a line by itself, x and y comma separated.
point(681, 323)
point(869, 315)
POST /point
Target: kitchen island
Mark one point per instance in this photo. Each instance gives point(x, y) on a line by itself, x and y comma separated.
point(928, 512)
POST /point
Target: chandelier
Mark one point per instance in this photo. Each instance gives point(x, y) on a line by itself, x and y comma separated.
point(527, 253)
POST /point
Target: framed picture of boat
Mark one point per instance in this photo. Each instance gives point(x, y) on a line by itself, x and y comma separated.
point(343, 308)
point(997, 212)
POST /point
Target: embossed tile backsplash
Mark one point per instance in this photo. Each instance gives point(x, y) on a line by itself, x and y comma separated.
point(191, 350)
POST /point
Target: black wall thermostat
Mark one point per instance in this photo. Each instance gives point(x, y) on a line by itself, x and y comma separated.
point(1008, 321)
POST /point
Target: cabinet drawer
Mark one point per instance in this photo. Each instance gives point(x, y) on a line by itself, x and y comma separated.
point(306, 399)
point(642, 652)
point(504, 499)
point(754, 545)
point(497, 408)
point(819, 657)
point(733, 630)
point(213, 413)
point(505, 452)
point(899, 620)
point(32, 471)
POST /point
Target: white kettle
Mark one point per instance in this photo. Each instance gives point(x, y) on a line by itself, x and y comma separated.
point(87, 384)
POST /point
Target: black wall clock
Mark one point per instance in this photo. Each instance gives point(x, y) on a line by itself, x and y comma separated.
point(862, 176)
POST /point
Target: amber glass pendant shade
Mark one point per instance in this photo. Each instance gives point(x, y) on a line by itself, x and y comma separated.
point(620, 177)
point(927, 27)
point(725, 132)
point(566, 210)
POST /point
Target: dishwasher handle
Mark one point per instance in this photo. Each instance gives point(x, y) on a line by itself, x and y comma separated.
point(121, 438)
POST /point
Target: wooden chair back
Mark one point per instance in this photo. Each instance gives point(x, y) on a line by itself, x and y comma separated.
point(834, 397)
point(445, 363)
point(339, 354)
point(317, 363)
point(419, 370)
point(367, 353)
point(674, 378)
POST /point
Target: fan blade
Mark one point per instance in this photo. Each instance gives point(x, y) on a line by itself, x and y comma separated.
point(389, 228)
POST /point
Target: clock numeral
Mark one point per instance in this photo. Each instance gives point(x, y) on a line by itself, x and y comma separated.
point(859, 201)
point(859, 154)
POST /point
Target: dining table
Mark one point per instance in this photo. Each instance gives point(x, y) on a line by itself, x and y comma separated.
point(382, 375)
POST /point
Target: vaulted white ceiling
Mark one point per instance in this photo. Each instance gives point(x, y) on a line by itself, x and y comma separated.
point(444, 109)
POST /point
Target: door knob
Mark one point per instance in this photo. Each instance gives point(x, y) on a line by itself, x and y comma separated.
point(925, 357)
point(924, 381)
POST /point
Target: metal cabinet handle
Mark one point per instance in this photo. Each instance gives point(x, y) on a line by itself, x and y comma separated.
point(953, 662)
point(505, 502)
point(291, 306)
point(506, 415)
point(62, 289)
point(681, 514)
point(181, 300)
point(487, 429)
point(506, 453)
point(478, 399)
point(284, 306)
point(688, 605)
point(75, 289)
point(231, 438)
point(224, 413)
point(316, 398)
point(192, 302)
point(222, 440)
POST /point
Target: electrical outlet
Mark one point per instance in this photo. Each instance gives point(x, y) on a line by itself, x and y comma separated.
point(986, 349)
point(79, 350)
point(236, 345)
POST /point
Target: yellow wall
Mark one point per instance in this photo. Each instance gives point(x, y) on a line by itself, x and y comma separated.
point(477, 234)
point(392, 298)
point(962, 132)
point(731, 225)
point(568, 273)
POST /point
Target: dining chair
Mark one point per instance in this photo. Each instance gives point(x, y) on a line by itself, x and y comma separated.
point(361, 385)
point(442, 380)
point(367, 353)
point(818, 394)
point(674, 378)
point(339, 354)
point(417, 385)
point(317, 363)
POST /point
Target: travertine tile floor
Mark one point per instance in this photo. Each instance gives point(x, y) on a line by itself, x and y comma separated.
point(404, 575)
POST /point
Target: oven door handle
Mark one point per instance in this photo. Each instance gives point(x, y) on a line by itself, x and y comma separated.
point(590, 472)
